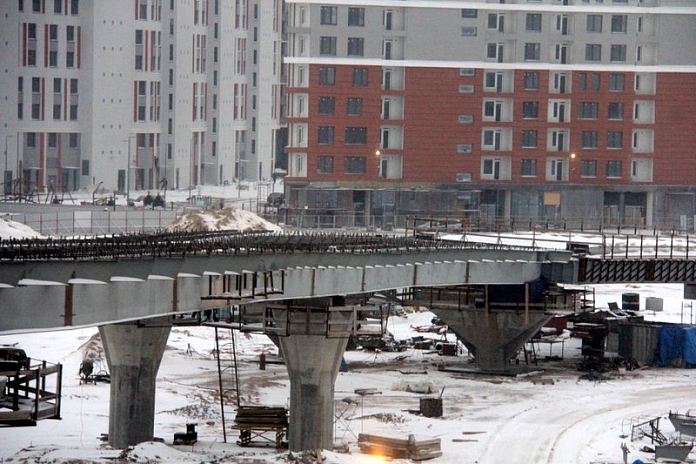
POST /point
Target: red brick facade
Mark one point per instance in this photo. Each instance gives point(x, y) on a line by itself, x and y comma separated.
point(432, 131)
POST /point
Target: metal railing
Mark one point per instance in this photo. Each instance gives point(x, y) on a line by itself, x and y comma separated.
point(91, 222)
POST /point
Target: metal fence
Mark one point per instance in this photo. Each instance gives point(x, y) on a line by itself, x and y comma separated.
point(92, 222)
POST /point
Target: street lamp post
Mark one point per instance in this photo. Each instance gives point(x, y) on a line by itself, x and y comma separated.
point(5, 189)
point(128, 169)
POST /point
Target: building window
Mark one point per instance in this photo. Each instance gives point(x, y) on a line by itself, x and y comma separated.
point(614, 139)
point(356, 46)
point(31, 46)
point(532, 51)
point(463, 177)
point(359, 77)
point(354, 106)
point(496, 21)
point(616, 110)
point(613, 168)
point(490, 168)
point(329, 15)
point(467, 72)
point(36, 6)
point(467, 118)
point(588, 110)
point(495, 51)
point(593, 52)
point(616, 82)
point(53, 47)
point(469, 13)
point(74, 7)
point(588, 168)
point(492, 139)
point(589, 139)
point(529, 168)
point(619, 24)
point(57, 98)
point(325, 164)
point(618, 53)
point(356, 17)
point(594, 23)
point(327, 76)
point(36, 98)
point(52, 140)
point(493, 81)
point(20, 98)
point(139, 49)
point(58, 6)
point(356, 135)
point(469, 31)
point(31, 139)
point(530, 110)
point(354, 165)
point(582, 81)
point(327, 46)
point(325, 135)
point(533, 22)
point(327, 105)
point(465, 148)
point(531, 81)
point(594, 81)
point(466, 88)
point(529, 139)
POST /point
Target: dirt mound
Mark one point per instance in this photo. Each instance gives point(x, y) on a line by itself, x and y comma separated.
point(221, 219)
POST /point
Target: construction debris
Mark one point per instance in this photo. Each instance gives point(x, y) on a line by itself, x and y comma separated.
point(397, 448)
point(683, 423)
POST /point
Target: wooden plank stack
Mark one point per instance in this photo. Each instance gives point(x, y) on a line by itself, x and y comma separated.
point(256, 421)
point(416, 450)
point(261, 416)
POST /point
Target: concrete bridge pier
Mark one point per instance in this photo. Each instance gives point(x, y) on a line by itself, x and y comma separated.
point(133, 351)
point(493, 336)
point(313, 362)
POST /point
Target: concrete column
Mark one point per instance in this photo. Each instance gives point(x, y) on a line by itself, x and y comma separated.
point(312, 362)
point(133, 352)
point(495, 336)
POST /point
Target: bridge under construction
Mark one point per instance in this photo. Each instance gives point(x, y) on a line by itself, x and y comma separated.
point(307, 288)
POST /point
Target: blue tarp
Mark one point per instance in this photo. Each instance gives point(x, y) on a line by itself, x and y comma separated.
point(670, 345)
point(676, 342)
point(637, 461)
point(690, 346)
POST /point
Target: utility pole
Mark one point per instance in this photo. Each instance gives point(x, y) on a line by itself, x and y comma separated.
point(6, 190)
point(128, 169)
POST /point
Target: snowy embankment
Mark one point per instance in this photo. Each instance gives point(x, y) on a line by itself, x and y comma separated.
point(10, 229)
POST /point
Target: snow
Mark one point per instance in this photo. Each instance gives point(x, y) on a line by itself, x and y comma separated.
point(221, 219)
point(551, 418)
point(10, 229)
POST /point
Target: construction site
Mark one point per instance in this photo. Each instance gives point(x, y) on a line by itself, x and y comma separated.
point(437, 343)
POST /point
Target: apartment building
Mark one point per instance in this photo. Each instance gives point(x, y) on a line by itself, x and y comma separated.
point(516, 109)
point(138, 94)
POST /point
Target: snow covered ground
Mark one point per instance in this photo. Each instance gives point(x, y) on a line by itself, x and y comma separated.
point(551, 418)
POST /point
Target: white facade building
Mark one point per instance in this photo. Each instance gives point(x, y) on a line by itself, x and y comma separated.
point(183, 90)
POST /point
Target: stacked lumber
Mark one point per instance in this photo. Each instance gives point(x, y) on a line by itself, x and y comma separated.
point(261, 417)
point(416, 450)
